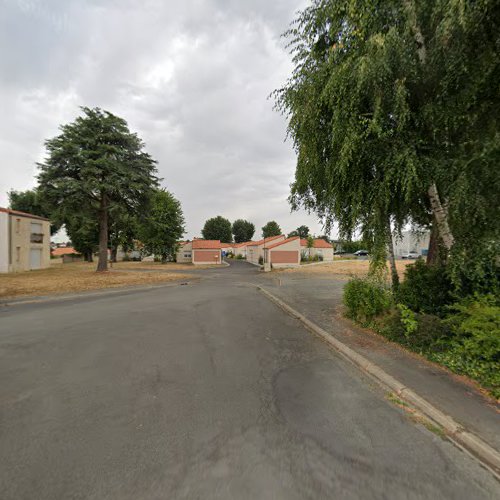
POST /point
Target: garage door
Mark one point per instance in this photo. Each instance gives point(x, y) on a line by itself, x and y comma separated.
point(35, 258)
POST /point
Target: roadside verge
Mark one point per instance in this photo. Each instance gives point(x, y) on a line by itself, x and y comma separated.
point(462, 437)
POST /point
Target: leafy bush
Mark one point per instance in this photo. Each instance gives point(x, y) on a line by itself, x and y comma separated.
point(467, 341)
point(240, 257)
point(261, 260)
point(476, 325)
point(418, 331)
point(426, 289)
point(365, 299)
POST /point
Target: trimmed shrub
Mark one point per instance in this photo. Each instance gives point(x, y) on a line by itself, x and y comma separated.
point(365, 299)
point(426, 289)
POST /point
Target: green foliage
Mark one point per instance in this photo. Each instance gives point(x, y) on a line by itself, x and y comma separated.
point(84, 233)
point(474, 349)
point(240, 257)
point(164, 226)
point(350, 246)
point(423, 333)
point(303, 231)
point(388, 99)
point(408, 320)
point(218, 228)
point(31, 201)
point(426, 289)
point(365, 299)
point(96, 165)
point(476, 324)
point(243, 230)
point(271, 229)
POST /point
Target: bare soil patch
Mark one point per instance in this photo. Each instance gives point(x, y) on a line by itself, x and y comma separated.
point(67, 278)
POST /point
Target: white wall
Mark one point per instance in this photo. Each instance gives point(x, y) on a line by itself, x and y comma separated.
point(4, 242)
point(411, 242)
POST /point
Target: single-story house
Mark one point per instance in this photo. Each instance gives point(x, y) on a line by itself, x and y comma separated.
point(184, 252)
point(283, 253)
point(24, 241)
point(68, 254)
point(241, 248)
point(206, 252)
point(255, 249)
point(411, 241)
point(227, 248)
point(320, 248)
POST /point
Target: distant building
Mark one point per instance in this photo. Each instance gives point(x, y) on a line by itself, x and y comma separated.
point(24, 241)
point(320, 247)
point(411, 241)
point(199, 251)
point(255, 249)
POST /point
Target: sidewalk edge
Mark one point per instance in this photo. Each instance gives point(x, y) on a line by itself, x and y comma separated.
point(467, 441)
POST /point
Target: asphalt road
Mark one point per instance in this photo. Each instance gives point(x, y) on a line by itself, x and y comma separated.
point(202, 391)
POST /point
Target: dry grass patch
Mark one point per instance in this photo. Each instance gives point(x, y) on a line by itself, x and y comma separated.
point(343, 269)
point(66, 278)
point(158, 266)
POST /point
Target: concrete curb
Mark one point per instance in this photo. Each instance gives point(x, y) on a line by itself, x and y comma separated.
point(467, 441)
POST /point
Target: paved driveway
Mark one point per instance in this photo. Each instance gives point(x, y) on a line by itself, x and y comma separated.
point(202, 391)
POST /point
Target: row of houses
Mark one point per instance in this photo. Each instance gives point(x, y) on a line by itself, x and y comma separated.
point(277, 251)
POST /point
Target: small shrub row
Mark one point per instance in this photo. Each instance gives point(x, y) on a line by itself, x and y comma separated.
point(463, 336)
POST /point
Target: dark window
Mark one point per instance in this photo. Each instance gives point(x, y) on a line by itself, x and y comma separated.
point(36, 238)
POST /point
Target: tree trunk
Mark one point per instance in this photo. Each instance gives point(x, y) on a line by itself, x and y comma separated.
point(114, 251)
point(392, 258)
point(102, 264)
point(433, 255)
point(441, 217)
point(439, 212)
point(88, 256)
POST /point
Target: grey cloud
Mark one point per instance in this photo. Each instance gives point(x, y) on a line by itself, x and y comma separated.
point(192, 78)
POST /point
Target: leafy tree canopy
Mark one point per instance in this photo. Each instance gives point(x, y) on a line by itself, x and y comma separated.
point(30, 201)
point(164, 226)
point(303, 231)
point(218, 228)
point(393, 111)
point(95, 166)
point(243, 230)
point(271, 229)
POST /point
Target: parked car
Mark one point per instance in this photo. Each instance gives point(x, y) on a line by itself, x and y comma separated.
point(361, 253)
point(410, 255)
point(339, 252)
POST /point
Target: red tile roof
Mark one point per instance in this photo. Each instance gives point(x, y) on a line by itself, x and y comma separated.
point(57, 252)
point(266, 240)
point(206, 244)
point(21, 214)
point(244, 244)
point(288, 240)
point(318, 243)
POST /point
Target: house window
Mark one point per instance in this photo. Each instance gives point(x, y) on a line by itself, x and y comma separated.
point(36, 233)
point(187, 255)
point(18, 254)
point(18, 225)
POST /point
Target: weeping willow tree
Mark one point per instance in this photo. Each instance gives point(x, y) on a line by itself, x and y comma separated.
point(393, 111)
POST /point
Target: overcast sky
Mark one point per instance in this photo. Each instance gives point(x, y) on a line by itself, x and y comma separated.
point(191, 77)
